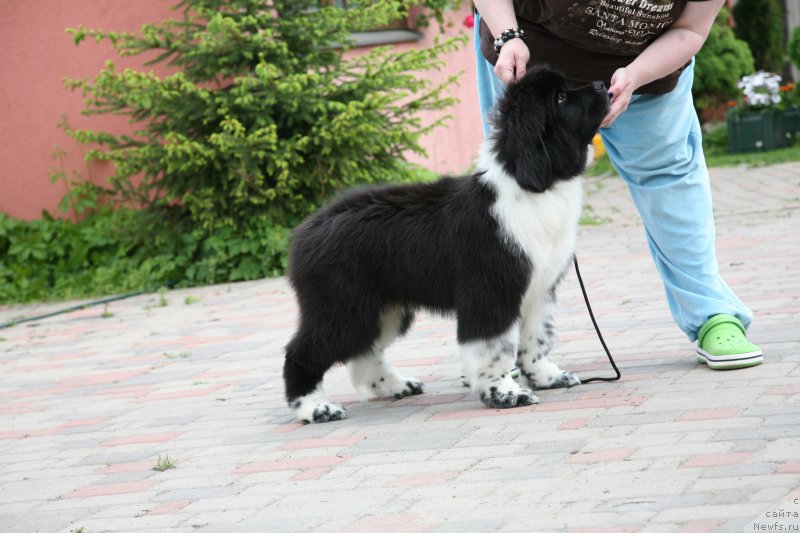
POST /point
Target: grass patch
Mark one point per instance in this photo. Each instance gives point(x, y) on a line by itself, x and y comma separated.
point(164, 463)
point(162, 297)
point(182, 355)
point(590, 218)
point(189, 300)
point(601, 167)
point(754, 159)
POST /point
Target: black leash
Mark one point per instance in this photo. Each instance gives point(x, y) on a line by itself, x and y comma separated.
point(596, 328)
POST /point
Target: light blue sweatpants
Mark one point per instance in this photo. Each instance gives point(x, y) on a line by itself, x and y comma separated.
point(655, 145)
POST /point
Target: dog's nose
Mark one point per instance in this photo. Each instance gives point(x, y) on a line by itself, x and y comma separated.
point(599, 86)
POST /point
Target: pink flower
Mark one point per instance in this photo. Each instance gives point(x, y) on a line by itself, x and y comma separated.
point(469, 21)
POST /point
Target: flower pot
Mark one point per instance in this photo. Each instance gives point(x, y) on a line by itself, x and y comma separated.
point(755, 131)
point(791, 126)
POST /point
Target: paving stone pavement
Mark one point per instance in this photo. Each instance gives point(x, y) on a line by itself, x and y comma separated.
point(90, 400)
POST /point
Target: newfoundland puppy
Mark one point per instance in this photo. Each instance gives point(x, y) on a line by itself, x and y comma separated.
point(490, 248)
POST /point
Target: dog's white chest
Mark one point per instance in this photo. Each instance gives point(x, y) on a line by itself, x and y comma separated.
point(542, 226)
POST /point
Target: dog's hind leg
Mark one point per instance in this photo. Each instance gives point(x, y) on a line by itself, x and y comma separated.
point(304, 391)
point(371, 374)
point(330, 332)
point(486, 364)
point(537, 337)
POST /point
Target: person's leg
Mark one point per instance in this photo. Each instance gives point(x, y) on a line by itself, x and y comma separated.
point(656, 147)
point(490, 88)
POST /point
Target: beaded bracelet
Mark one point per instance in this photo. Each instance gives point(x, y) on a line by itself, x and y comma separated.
point(507, 35)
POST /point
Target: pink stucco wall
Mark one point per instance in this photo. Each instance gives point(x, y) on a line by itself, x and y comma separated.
point(37, 54)
point(453, 149)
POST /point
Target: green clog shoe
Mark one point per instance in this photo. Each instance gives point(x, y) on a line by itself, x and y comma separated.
point(722, 344)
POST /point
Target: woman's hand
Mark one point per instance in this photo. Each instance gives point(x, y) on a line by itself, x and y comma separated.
point(621, 90)
point(510, 66)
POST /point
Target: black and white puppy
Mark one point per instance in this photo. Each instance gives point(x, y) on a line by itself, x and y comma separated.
point(490, 247)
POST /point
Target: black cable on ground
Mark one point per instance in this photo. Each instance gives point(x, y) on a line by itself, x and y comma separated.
point(84, 306)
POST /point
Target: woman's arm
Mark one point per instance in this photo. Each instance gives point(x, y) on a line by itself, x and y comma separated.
point(670, 51)
point(499, 16)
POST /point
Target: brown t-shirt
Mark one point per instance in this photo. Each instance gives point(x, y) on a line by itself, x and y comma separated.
point(588, 40)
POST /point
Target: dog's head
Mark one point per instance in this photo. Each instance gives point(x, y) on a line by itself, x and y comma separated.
point(542, 128)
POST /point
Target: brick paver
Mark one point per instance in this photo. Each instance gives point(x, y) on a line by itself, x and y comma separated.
point(88, 404)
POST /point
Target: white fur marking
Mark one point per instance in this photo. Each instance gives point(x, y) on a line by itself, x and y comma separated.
point(486, 365)
point(371, 375)
point(546, 374)
point(542, 226)
point(315, 402)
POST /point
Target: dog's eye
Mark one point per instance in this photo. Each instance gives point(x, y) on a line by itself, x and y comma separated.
point(561, 98)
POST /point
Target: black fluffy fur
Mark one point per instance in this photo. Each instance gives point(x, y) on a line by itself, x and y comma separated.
point(432, 245)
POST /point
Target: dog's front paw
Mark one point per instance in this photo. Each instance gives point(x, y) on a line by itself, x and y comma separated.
point(396, 387)
point(412, 386)
point(328, 412)
point(317, 412)
point(497, 399)
point(562, 379)
point(544, 374)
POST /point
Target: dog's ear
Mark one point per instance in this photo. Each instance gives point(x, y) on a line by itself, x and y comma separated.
point(519, 131)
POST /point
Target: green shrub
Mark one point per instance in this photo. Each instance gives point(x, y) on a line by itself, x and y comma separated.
point(265, 117)
point(719, 66)
point(715, 140)
point(760, 23)
point(793, 49)
point(436, 9)
point(53, 259)
point(261, 119)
